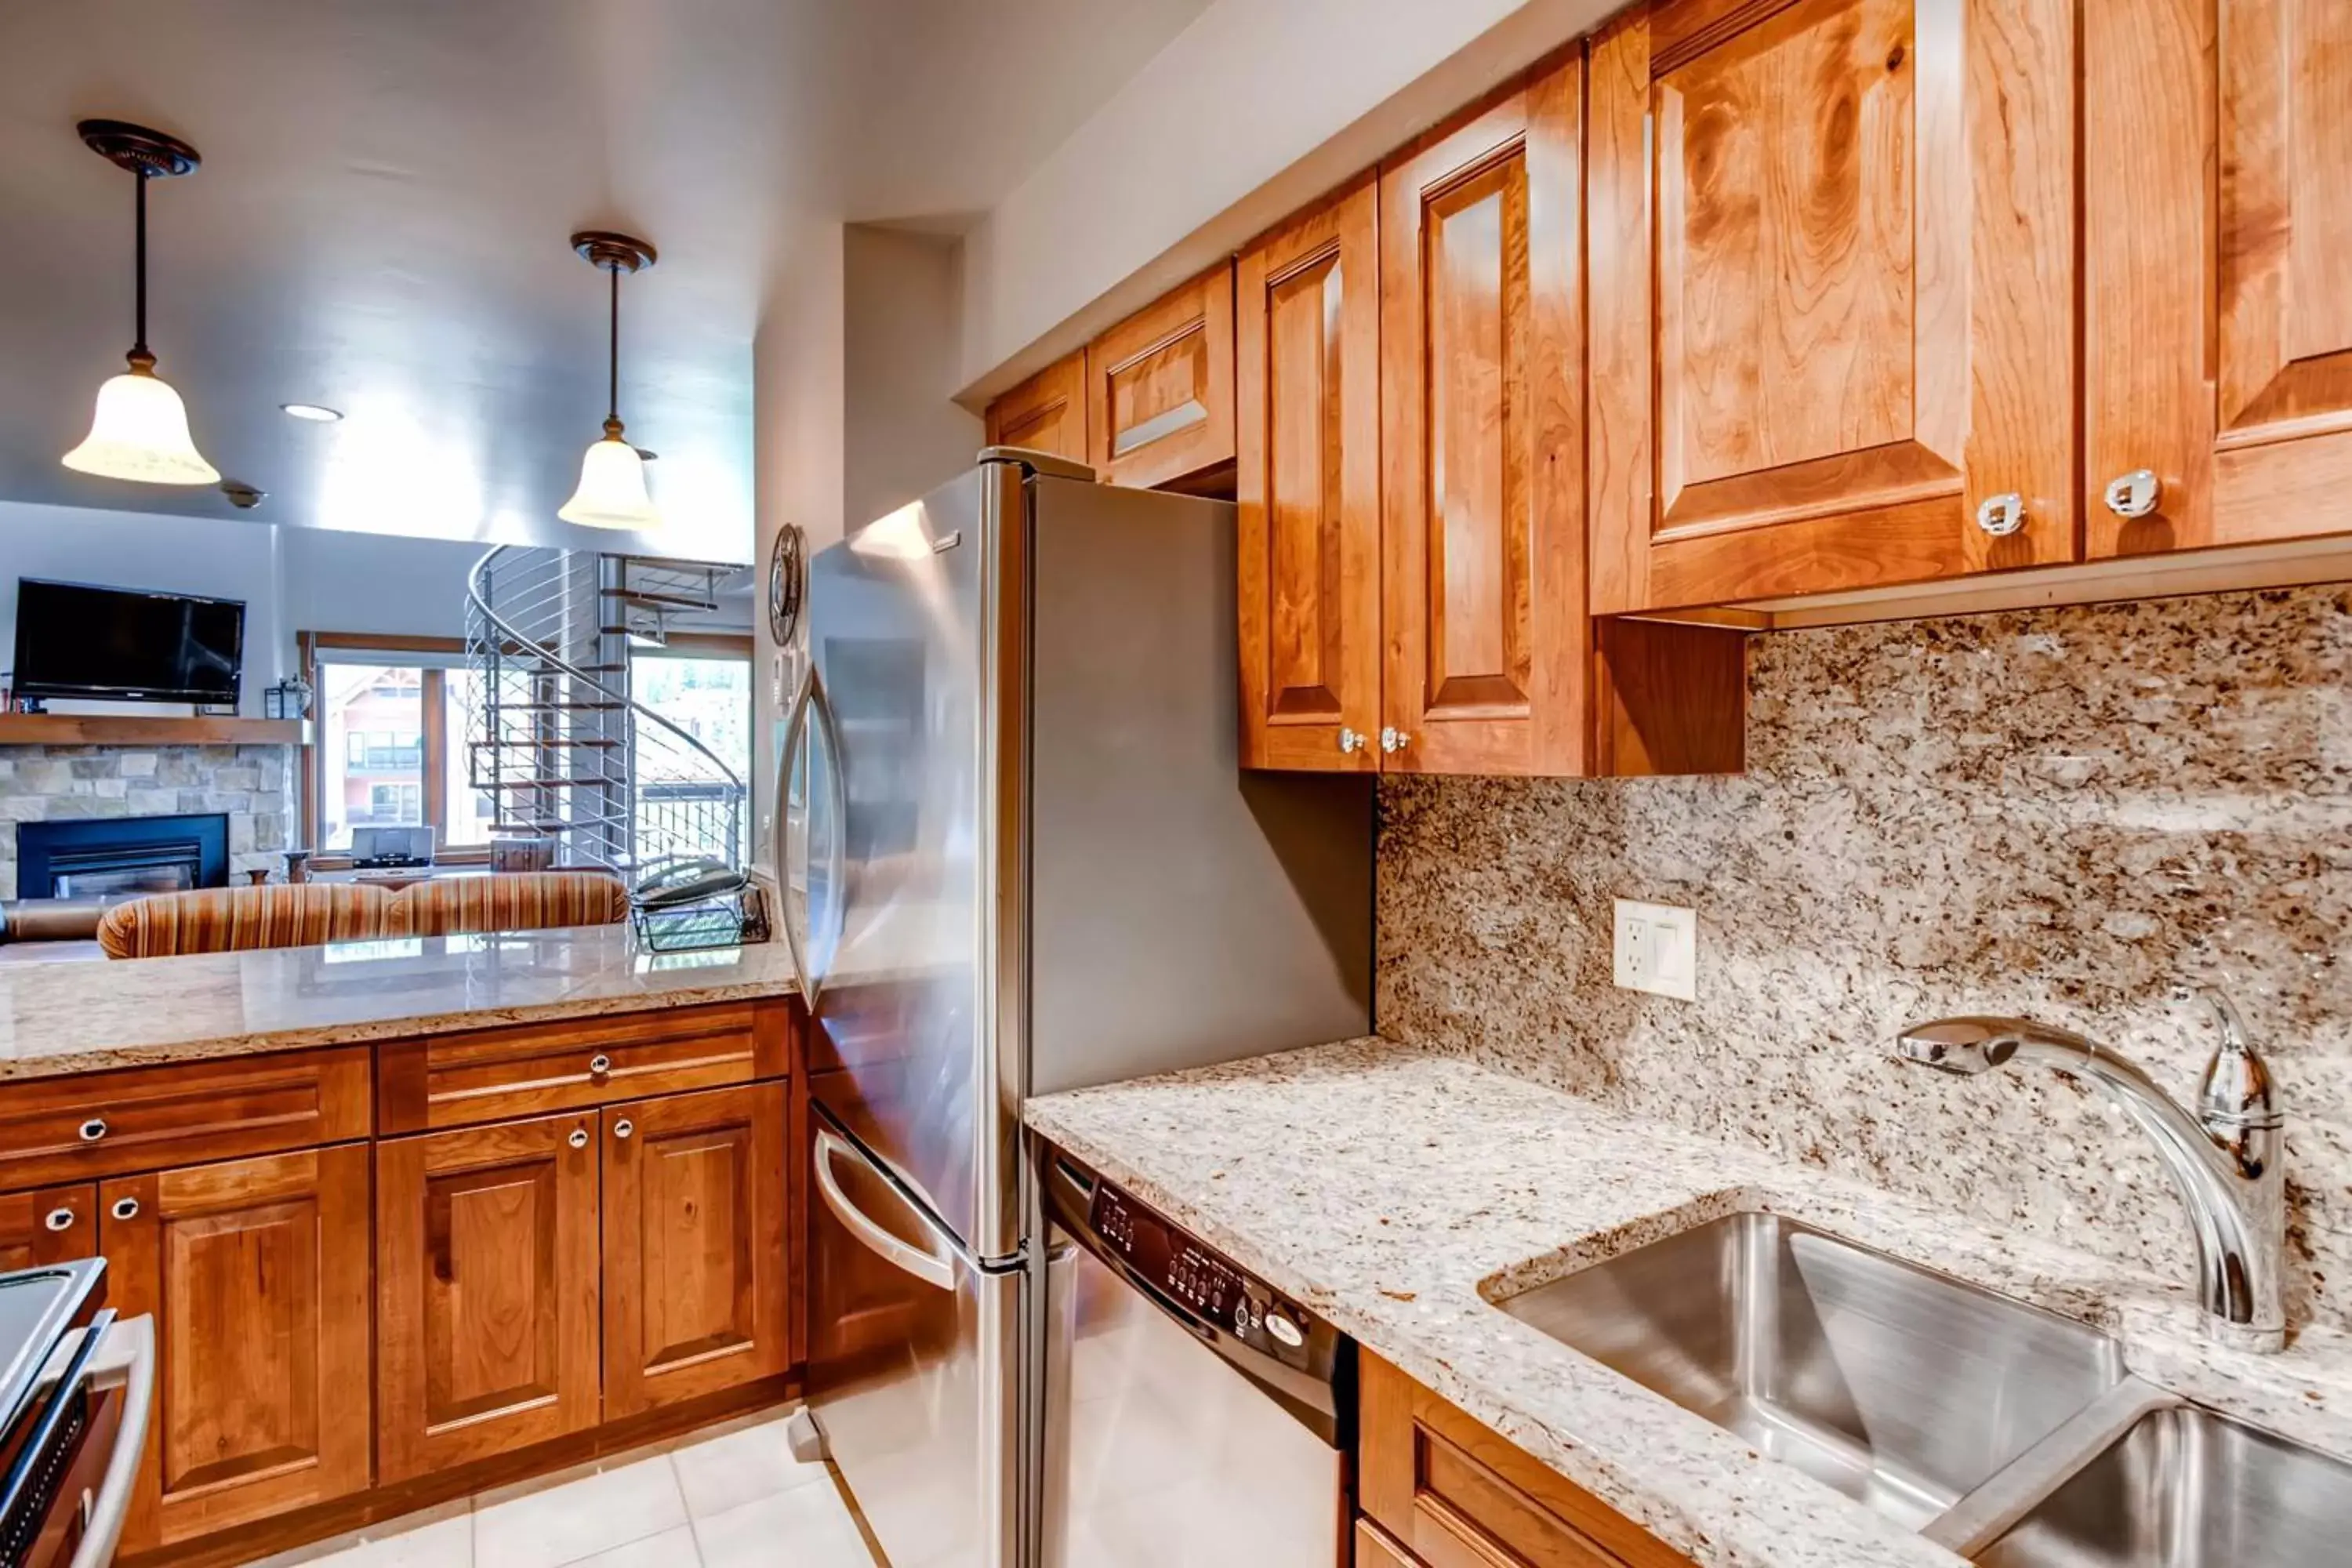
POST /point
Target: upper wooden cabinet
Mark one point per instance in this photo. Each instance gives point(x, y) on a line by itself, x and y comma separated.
point(49, 1225)
point(2217, 207)
point(1833, 285)
point(1307, 478)
point(695, 1210)
point(256, 1274)
point(1046, 413)
point(1159, 389)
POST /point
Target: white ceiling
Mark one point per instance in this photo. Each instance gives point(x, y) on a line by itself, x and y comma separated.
point(380, 225)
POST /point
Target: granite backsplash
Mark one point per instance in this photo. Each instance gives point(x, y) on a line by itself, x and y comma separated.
point(2071, 814)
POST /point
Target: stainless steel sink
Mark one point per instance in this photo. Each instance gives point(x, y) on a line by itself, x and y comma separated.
point(2187, 1488)
point(1896, 1385)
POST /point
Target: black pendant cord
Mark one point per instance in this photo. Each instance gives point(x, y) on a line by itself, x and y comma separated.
point(613, 384)
point(140, 358)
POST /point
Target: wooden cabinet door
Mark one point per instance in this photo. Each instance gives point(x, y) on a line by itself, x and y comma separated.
point(48, 1225)
point(2217, 206)
point(696, 1201)
point(1833, 285)
point(256, 1274)
point(1457, 1494)
point(1046, 413)
point(486, 1291)
point(1483, 578)
point(1308, 478)
point(1159, 389)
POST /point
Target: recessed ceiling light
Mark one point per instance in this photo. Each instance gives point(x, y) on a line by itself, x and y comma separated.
point(317, 413)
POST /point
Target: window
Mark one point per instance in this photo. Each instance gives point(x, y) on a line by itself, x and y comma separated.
point(390, 742)
point(684, 805)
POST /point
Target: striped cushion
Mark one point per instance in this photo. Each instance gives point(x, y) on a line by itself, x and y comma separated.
point(230, 919)
point(515, 900)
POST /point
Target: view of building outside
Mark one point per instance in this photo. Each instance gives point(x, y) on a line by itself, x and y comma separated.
point(684, 805)
point(371, 722)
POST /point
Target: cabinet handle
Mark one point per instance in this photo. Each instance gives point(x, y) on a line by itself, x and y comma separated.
point(1353, 741)
point(624, 1127)
point(93, 1129)
point(600, 1064)
point(125, 1208)
point(58, 1219)
point(2134, 494)
point(2002, 515)
point(579, 1139)
point(1394, 739)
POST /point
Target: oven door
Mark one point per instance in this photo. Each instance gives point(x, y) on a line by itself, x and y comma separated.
point(1158, 1453)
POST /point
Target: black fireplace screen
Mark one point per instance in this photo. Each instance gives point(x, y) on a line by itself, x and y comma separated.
point(97, 856)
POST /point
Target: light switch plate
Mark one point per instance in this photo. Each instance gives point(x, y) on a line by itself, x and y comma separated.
point(1657, 949)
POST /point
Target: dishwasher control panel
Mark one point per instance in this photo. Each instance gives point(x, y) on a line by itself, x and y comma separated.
point(1198, 1279)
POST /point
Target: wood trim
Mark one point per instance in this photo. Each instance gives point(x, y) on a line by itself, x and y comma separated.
point(380, 642)
point(433, 698)
point(1668, 699)
point(1453, 1491)
point(1046, 413)
point(703, 645)
point(124, 729)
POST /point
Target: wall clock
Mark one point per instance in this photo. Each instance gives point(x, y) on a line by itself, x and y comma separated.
point(787, 580)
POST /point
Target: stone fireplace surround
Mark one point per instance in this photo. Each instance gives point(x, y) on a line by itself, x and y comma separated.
point(254, 786)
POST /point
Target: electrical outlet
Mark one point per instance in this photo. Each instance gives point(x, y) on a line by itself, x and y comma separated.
point(1657, 949)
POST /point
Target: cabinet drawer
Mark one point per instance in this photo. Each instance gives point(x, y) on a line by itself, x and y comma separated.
point(49, 1225)
point(1456, 1494)
point(496, 1075)
point(1375, 1550)
point(143, 1118)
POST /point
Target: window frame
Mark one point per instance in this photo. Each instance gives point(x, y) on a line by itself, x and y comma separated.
point(434, 735)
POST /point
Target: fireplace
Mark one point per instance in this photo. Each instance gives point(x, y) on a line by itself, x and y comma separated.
point(89, 858)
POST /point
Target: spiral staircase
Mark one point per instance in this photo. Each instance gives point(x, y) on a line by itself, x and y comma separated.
point(555, 743)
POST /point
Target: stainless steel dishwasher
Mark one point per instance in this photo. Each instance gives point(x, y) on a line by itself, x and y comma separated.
point(1194, 1416)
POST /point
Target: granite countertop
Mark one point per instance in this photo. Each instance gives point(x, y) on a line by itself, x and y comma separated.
point(1396, 1191)
point(81, 1016)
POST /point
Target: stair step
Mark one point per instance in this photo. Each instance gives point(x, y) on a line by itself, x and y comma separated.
point(659, 601)
point(535, 742)
point(562, 707)
point(592, 780)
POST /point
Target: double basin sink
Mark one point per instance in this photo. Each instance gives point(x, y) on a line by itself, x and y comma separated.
point(2011, 1435)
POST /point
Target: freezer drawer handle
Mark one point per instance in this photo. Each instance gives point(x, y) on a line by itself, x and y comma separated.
point(934, 1268)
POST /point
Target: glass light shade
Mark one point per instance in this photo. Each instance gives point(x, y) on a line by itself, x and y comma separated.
point(612, 492)
point(140, 432)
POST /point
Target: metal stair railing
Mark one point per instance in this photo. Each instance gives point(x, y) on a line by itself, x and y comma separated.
point(555, 743)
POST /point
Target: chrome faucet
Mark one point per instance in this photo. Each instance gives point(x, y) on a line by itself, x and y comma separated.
point(2227, 1160)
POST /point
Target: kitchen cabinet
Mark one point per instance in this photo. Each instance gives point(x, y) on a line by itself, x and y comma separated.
point(1046, 413)
point(695, 1214)
point(2217, 209)
point(48, 1225)
point(1833, 284)
point(487, 1290)
point(1453, 1493)
point(1307, 484)
point(256, 1274)
point(1160, 390)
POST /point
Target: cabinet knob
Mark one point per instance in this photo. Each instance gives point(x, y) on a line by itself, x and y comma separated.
point(624, 1127)
point(2002, 515)
point(125, 1208)
point(1353, 741)
point(58, 1219)
point(2134, 494)
point(1394, 739)
point(93, 1129)
point(600, 1064)
point(579, 1139)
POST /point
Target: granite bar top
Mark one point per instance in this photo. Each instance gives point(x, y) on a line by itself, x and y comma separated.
point(1399, 1192)
point(72, 1016)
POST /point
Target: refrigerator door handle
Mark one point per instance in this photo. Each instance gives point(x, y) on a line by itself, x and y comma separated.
point(788, 760)
point(811, 713)
point(934, 1269)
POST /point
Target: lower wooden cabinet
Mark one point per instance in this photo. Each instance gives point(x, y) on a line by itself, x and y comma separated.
point(257, 1273)
point(695, 1298)
point(1444, 1489)
point(48, 1225)
point(487, 1290)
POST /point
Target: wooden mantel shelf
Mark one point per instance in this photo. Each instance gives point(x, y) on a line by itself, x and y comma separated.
point(122, 730)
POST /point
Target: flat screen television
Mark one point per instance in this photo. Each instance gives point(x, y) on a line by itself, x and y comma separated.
point(74, 639)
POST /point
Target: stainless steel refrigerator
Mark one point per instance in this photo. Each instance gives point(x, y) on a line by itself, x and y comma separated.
point(1019, 855)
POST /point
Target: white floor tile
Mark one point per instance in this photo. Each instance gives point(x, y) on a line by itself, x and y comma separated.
point(807, 1527)
point(439, 1537)
point(670, 1549)
point(579, 1518)
point(743, 1466)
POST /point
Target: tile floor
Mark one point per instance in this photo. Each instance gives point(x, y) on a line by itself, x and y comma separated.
point(729, 1497)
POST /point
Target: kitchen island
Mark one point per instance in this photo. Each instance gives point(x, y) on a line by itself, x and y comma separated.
point(1401, 1193)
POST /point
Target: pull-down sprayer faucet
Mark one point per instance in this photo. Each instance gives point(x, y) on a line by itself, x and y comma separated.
point(2228, 1159)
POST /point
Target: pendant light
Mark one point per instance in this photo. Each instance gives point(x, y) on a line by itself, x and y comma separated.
point(141, 428)
point(612, 492)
